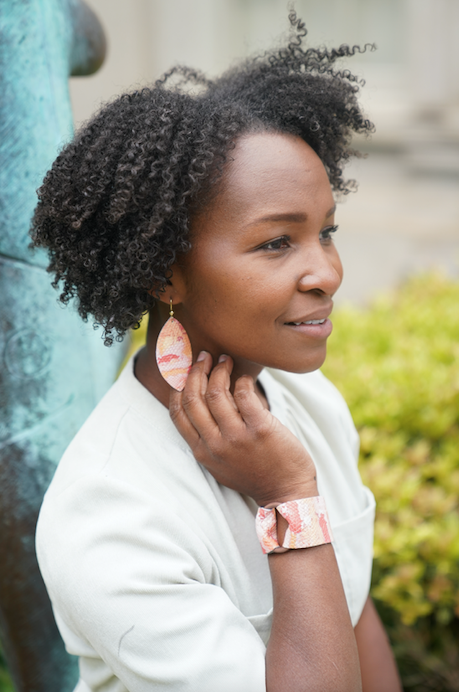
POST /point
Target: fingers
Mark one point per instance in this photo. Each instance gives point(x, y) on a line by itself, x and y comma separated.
point(207, 411)
point(196, 381)
point(181, 420)
point(249, 405)
point(193, 401)
point(220, 400)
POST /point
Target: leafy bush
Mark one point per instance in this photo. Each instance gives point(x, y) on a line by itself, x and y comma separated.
point(138, 338)
point(5, 681)
point(397, 365)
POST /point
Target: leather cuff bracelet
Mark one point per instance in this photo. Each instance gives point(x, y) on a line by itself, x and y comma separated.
point(308, 525)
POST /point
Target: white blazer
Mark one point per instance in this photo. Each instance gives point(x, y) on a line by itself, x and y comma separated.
point(154, 570)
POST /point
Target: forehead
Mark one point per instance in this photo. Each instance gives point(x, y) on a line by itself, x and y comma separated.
point(270, 173)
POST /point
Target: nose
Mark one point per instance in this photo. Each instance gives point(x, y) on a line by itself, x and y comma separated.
point(322, 271)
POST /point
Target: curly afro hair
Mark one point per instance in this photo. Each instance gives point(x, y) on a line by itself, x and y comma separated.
point(114, 210)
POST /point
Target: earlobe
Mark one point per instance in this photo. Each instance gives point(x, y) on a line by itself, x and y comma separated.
point(165, 295)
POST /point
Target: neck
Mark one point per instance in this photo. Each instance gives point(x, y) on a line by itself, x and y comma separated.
point(146, 368)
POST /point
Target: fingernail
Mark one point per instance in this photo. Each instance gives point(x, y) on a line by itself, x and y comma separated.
point(201, 356)
point(222, 358)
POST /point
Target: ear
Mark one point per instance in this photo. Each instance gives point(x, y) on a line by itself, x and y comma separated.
point(175, 288)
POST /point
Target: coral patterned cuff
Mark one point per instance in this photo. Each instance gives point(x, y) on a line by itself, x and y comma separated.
point(308, 525)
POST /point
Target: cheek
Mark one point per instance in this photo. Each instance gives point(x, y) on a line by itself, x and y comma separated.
point(211, 287)
point(231, 294)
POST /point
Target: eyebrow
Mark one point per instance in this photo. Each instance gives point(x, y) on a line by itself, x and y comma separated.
point(298, 217)
point(292, 218)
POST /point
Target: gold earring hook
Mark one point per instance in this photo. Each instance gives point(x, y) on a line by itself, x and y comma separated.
point(171, 312)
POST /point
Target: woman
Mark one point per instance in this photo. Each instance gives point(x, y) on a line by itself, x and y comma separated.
point(215, 209)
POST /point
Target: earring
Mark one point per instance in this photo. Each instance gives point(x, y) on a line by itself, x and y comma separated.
point(173, 352)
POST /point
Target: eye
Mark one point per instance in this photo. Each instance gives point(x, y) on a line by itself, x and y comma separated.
point(281, 243)
point(326, 234)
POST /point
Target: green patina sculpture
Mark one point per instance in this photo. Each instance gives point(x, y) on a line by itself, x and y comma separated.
point(53, 368)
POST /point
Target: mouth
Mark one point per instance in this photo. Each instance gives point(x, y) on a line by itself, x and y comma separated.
point(297, 324)
point(319, 316)
point(318, 326)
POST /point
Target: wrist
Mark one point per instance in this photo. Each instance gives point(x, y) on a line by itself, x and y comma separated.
point(302, 490)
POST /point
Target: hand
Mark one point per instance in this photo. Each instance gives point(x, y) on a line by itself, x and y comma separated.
point(240, 442)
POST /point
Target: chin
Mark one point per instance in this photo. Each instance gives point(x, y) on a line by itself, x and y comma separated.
point(302, 364)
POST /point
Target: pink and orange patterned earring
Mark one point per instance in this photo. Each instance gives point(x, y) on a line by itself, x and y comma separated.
point(173, 352)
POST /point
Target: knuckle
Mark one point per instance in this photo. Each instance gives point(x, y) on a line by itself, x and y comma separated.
point(213, 394)
point(206, 453)
point(189, 399)
point(195, 370)
point(200, 454)
point(215, 447)
point(260, 432)
point(175, 408)
point(235, 444)
point(262, 428)
point(242, 395)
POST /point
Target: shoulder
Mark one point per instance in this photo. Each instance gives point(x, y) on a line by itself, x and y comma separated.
point(119, 474)
point(322, 401)
point(128, 423)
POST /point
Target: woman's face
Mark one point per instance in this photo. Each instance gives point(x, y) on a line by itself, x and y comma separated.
point(263, 265)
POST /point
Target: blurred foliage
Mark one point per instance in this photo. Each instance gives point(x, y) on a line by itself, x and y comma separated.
point(397, 365)
point(5, 681)
point(138, 338)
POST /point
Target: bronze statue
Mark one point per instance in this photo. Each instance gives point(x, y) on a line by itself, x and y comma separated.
point(53, 368)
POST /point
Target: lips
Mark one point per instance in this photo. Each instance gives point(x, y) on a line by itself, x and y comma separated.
point(312, 329)
point(317, 317)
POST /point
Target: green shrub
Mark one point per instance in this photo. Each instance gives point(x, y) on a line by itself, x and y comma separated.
point(5, 681)
point(137, 339)
point(397, 365)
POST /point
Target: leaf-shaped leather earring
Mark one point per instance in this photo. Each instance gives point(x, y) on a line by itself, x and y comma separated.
point(173, 352)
